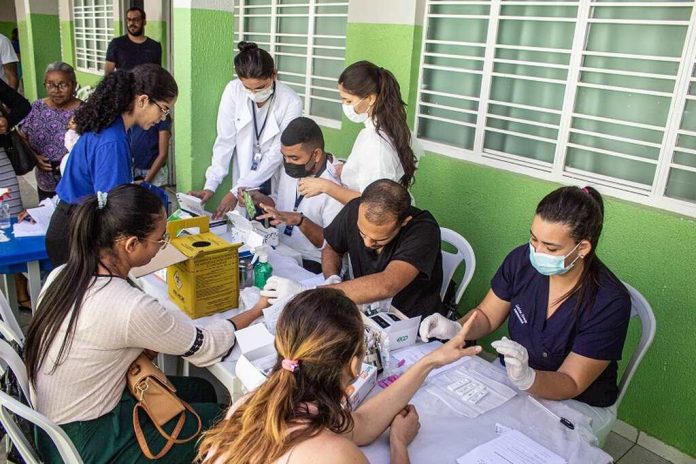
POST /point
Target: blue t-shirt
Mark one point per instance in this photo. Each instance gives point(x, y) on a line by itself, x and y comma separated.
point(596, 330)
point(98, 162)
point(144, 144)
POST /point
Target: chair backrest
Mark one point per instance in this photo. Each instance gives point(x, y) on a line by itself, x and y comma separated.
point(640, 308)
point(11, 359)
point(83, 93)
point(63, 444)
point(451, 261)
point(9, 318)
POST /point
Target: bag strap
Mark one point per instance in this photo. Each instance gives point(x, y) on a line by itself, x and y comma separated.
point(171, 439)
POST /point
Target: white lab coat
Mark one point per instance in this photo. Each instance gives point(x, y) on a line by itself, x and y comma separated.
point(236, 138)
point(372, 158)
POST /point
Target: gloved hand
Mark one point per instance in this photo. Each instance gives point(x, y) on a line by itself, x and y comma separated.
point(279, 287)
point(332, 280)
point(438, 326)
point(516, 362)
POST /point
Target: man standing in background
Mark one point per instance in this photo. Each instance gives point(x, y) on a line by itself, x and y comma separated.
point(8, 63)
point(149, 148)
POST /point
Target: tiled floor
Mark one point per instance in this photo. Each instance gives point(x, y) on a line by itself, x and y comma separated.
point(622, 450)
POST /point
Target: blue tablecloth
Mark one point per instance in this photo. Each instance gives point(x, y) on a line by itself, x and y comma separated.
point(15, 254)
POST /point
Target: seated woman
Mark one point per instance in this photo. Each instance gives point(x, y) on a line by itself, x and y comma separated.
point(567, 312)
point(91, 324)
point(301, 413)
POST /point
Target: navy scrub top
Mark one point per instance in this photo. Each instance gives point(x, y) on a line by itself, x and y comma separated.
point(597, 330)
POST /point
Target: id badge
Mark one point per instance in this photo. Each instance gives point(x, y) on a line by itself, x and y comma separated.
point(288, 230)
point(257, 157)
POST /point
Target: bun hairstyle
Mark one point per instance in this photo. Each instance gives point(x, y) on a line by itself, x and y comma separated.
point(252, 62)
point(319, 332)
point(582, 211)
point(363, 79)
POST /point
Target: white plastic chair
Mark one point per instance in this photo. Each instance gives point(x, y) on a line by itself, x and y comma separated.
point(640, 308)
point(9, 407)
point(83, 93)
point(451, 261)
point(8, 317)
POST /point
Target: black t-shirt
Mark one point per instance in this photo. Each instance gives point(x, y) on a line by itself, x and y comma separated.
point(597, 330)
point(417, 243)
point(128, 54)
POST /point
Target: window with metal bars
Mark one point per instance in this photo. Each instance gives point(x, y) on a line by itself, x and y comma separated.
point(307, 39)
point(93, 30)
point(585, 91)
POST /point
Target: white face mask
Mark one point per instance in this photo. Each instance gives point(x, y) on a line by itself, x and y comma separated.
point(352, 115)
point(260, 96)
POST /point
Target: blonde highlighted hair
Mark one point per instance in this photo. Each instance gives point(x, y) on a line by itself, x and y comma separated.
point(323, 330)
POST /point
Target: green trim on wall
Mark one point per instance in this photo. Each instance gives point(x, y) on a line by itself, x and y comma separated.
point(403, 56)
point(67, 42)
point(650, 249)
point(157, 30)
point(117, 27)
point(44, 30)
point(6, 28)
point(202, 68)
point(88, 78)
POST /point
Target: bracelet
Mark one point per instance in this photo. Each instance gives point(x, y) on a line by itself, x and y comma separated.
point(301, 219)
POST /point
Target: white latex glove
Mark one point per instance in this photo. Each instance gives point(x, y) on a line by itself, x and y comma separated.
point(332, 280)
point(279, 287)
point(516, 362)
point(438, 326)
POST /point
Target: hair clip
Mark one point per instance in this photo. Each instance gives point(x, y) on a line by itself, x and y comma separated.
point(101, 199)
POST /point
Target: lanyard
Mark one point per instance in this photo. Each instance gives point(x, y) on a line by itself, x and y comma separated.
point(299, 198)
point(257, 133)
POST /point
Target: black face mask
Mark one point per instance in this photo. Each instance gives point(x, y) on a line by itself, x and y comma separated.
point(298, 171)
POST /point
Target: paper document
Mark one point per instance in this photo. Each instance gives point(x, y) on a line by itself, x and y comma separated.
point(407, 357)
point(511, 447)
point(27, 229)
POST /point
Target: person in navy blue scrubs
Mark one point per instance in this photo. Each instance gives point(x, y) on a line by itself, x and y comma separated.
point(567, 312)
point(101, 158)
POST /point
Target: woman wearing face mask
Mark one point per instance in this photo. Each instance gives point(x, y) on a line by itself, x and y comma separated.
point(301, 413)
point(101, 158)
point(46, 125)
point(382, 150)
point(254, 110)
point(567, 312)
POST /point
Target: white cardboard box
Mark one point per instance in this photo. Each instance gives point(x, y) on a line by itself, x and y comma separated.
point(258, 351)
point(401, 333)
point(358, 390)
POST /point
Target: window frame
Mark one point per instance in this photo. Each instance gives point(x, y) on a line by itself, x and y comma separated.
point(557, 171)
point(239, 33)
point(102, 35)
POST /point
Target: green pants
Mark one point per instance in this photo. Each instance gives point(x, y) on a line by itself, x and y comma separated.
point(111, 437)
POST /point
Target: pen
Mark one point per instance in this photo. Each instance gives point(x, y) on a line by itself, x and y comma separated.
point(562, 420)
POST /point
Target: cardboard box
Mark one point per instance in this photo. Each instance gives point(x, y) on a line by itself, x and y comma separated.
point(251, 233)
point(401, 330)
point(258, 355)
point(207, 280)
point(358, 390)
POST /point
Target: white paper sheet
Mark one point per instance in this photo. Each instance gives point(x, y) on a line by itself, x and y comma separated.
point(27, 229)
point(511, 447)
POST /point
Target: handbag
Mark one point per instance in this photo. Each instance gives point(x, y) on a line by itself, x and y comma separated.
point(18, 150)
point(157, 397)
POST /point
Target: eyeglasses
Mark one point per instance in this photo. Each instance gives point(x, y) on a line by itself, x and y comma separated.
point(163, 242)
point(165, 111)
point(59, 86)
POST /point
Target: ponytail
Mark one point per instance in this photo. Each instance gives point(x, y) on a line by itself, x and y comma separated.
point(116, 92)
point(322, 330)
point(130, 210)
point(389, 113)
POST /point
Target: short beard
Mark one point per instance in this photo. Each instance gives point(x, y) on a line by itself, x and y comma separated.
point(138, 32)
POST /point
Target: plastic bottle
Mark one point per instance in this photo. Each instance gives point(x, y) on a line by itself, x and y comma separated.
point(4, 209)
point(262, 269)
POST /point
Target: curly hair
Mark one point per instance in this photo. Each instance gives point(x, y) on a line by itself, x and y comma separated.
point(115, 94)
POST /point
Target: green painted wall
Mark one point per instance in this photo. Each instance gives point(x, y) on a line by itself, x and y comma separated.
point(157, 30)
point(202, 68)
point(402, 60)
point(6, 28)
point(44, 30)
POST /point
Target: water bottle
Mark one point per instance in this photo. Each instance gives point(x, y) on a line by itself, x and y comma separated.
point(4, 215)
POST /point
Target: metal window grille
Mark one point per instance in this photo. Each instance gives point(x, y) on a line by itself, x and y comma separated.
point(93, 30)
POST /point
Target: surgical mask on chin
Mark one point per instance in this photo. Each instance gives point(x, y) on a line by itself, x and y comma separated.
point(261, 95)
point(550, 265)
point(349, 111)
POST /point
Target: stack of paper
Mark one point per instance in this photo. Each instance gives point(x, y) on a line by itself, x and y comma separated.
point(41, 216)
point(511, 447)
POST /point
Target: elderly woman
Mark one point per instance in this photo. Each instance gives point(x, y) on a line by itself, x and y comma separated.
point(47, 123)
